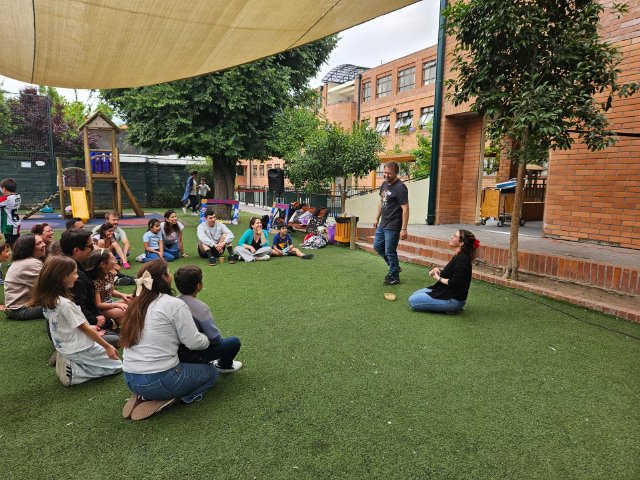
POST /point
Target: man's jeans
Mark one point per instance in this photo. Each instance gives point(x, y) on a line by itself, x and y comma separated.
point(386, 244)
point(187, 381)
point(224, 351)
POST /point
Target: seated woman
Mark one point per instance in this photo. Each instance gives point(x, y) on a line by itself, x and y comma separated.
point(46, 232)
point(5, 253)
point(155, 324)
point(104, 239)
point(22, 276)
point(254, 243)
point(449, 294)
point(171, 233)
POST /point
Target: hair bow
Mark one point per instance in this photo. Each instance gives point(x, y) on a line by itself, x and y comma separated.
point(476, 243)
point(146, 281)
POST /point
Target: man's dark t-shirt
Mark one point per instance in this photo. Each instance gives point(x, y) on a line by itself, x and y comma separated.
point(392, 196)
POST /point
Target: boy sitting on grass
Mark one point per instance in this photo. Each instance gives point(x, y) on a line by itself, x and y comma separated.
point(283, 245)
point(221, 351)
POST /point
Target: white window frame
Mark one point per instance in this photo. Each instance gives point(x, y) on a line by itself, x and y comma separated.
point(404, 119)
point(403, 76)
point(429, 67)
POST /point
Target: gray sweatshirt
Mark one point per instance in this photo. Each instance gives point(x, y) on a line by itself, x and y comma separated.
point(211, 235)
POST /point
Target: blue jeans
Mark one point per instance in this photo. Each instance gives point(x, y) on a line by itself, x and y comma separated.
point(154, 256)
point(421, 301)
point(188, 381)
point(171, 250)
point(386, 244)
point(224, 351)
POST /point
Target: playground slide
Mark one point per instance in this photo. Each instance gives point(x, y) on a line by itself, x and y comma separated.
point(79, 206)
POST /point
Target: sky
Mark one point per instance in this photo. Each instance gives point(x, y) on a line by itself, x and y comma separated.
point(368, 45)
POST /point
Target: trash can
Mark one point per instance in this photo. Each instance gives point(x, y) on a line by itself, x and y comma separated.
point(343, 229)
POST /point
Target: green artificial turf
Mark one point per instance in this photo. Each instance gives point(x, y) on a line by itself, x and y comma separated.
point(339, 383)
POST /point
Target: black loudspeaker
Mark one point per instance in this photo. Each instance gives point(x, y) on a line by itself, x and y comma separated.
point(276, 180)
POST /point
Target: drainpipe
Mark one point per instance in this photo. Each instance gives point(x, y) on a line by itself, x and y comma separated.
point(359, 80)
point(437, 114)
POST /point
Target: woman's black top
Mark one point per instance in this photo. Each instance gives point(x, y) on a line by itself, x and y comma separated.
point(256, 244)
point(458, 272)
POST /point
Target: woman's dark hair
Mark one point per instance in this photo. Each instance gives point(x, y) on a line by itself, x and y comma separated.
point(253, 221)
point(50, 284)
point(23, 247)
point(170, 227)
point(152, 222)
point(103, 229)
point(133, 321)
point(38, 228)
point(96, 258)
point(468, 240)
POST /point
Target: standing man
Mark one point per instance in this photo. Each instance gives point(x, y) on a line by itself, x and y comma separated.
point(391, 220)
point(213, 238)
point(190, 199)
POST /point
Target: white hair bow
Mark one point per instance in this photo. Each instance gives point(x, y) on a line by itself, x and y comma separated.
point(146, 280)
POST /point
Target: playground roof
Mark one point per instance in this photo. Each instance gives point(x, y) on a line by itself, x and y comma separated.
point(125, 43)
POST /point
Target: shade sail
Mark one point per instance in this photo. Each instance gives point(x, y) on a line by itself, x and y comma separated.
point(128, 43)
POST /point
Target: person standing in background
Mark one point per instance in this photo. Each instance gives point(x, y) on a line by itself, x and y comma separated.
point(189, 199)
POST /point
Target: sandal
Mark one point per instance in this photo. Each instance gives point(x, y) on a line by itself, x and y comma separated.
point(133, 402)
point(147, 408)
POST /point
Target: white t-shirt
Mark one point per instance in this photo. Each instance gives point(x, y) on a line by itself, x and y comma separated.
point(167, 324)
point(173, 236)
point(64, 321)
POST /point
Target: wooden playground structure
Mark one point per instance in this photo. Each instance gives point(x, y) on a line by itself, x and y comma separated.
point(100, 165)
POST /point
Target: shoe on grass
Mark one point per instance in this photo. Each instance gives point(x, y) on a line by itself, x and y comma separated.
point(307, 256)
point(63, 370)
point(212, 261)
point(146, 408)
point(391, 280)
point(133, 402)
point(232, 259)
point(184, 210)
point(264, 258)
point(237, 365)
point(126, 265)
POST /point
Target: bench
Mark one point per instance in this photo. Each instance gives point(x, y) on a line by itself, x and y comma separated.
point(322, 216)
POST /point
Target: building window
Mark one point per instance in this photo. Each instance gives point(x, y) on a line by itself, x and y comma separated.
point(384, 86)
point(429, 72)
point(270, 166)
point(404, 119)
point(254, 171)
point(366, 91)
point(426, 115)
point(240, 170)
point(382, 125)
point(262, 170)
point(406, 79)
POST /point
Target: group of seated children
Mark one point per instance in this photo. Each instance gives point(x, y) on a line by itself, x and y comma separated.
point(214, 238)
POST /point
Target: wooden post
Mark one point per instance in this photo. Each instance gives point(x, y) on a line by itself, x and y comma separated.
point(87, 171)
point(60, 186)
point(352, 233)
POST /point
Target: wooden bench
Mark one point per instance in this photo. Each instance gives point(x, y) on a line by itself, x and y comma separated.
point(322, 215)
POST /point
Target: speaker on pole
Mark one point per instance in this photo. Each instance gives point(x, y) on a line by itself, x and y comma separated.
point(276, 180)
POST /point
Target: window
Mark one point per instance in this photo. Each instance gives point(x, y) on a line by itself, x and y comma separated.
point(270, 166)
point(429, 72)
point(404, 119)
point(240, 170)
point(382, 125)
point(384, 86)
point(254, 171)
point(406, 79)
point(262, 170)
point(426, 115)
point(366, 91)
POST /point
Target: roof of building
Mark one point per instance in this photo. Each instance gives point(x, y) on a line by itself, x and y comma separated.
point(343, 73)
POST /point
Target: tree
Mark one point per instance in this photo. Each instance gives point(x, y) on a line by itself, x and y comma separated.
point(328, 152)
point(540, 73)
point(423, 153)
point(6, 127)
point(225, 116)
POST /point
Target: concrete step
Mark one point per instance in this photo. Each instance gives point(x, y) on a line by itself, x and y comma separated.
point(420, 249)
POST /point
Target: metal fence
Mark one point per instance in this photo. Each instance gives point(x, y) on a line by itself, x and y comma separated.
point(262, 197)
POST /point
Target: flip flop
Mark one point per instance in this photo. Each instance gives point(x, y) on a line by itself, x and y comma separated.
point(133, 402)
point(150, 407)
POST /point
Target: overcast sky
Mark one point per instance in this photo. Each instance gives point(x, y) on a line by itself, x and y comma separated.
point(378, 41)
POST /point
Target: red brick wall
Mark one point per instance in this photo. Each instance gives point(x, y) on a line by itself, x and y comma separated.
point(595, 196)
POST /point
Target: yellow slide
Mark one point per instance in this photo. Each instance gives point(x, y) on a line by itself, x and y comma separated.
point(79, 206)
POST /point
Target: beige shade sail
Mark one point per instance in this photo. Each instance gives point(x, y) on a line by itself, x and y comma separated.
point(128, 43)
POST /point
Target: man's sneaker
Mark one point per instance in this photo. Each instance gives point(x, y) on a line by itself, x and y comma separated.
point(234, 367)
point(184, 210)
point(232, 259)
point(307, 256)
point(147, 408)
point(193, 214)
point(63, 370)
point(391, 280)
point(264, 258)
point(212, 261)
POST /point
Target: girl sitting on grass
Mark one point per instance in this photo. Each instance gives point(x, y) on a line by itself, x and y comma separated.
point(82, 354)
point(101, 268)
point(155, 324)
point(104, 239)
point(153, 244)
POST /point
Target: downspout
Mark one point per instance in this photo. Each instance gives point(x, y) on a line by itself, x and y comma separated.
point(437, 114)
point(359, 80)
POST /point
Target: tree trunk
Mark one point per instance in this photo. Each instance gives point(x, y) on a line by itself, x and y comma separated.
point(512, 266)
point(343, 198)
point(224, 180)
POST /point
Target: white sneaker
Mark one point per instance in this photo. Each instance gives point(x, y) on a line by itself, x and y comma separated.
point(237, 365)
point(63, 370)
point(184, 210)
point(194, 214)
point(264, 257)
